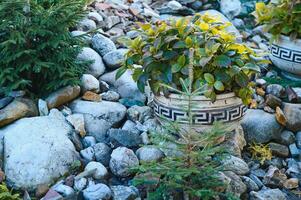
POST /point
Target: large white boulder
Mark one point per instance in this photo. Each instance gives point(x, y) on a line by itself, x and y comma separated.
point(37, 151)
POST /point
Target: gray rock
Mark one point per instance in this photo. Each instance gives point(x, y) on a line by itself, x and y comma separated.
point(224, 19)
point(119, 137)
point(231, 8)
point(238, 23)
point(174, 5)
point(86, 25)
point(43, 108)
point(295, 152)
point(97, 127)
point(88, 154)
point(276, 90)
point(149, 153)
point(5, 101)
point(122, 159)
point(115, 59)
point(235, 164)
point(89, 83)
point(278, 149)
point(62, 96)
point(110, 96)
point(268, 194)
point(52, 195)
point(298, 139)
point(64, 190)
point(251, 185)
point(100, 171)
point(126, 86)
point(89, 141)
point(256, 180)
point(145, 138)
point(130, 126)
point(97, 192)
point(78, 122)
point(55, 113)
point(292, 113)
point(102, 44)
point(97, 67)
point(236, 186)
point(262, 132)
point(17, 109)
point(139, 113)
point(112, 21)
point(86, 37)
point(80, 184)
point(121, 192)
point(102, 153)
point(95, 16)
point(46, 154)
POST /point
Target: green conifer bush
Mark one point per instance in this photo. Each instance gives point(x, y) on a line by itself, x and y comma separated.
point(37, 52)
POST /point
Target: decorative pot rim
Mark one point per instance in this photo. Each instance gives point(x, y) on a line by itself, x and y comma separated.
point(199, 97)
point(284, 38)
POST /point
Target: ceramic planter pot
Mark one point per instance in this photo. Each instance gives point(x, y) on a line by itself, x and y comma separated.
point(286, 55)
point(227, 108)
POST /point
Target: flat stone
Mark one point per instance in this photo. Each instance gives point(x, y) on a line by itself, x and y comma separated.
point(119, 137)
point(273, 101)
point(279, 150)
point(18, 108)
point(89, 83)
point(86, 25)
point(91, 96)
point(295, 152)
point(100, 173)
point(287, 138)
point(280, 117)
point(62, 96)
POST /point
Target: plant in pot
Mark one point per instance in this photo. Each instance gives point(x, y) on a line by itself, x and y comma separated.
point(282, 21)
point(163, 54)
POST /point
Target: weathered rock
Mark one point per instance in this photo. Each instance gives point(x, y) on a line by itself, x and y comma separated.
point(262, 132)
point(77, 121)
point(251, 185)
point(224, 19)
point(119, 137)
point(139, 113)
point(46, 154)
point(235, 164)
point(235, 142)
point(52, 195)
point(174, 5)
point(268, 194)
point(276, 90)
point(62, 96)
point(89, 83)
point(86, 25)
point(64, 190)
point(97, 67)
point(122, 159)
point(273, 101)
point(293, 116)
point(17, 109)
point(88, 141)
point(287, 137)
point(149, 153)
point(5, 101)
point(130, 126)
point(291, 183)
point(102, 153)
point(102, 44)
point(88, 154)
point(126, 86)
point(279, 150)
point(80, 184)
point(274, 177)
point(115, 59)
point(231, 8)
point(100, 173)
point(43, 108)
point(96, 192)
point(280, 117)
point(95, 16)
point(110, 96)
point(91, 96)
point(121, 192)
point(298, 139)
point(99, 116)
point(295, 152)
point(236, 186)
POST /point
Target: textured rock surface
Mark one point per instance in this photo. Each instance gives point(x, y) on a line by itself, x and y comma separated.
point(37, 151)
point(62, 96)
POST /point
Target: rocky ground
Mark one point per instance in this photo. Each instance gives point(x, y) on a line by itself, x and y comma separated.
point(99, 128)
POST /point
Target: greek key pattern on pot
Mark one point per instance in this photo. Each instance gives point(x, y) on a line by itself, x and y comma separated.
point(286, 54)
point(204, 117)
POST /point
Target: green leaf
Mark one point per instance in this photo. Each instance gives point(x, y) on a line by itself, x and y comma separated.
point(179, 45)
point(176, 68)
point(222, 61)
point(252, 67)
point(120, 72)
point(181, 60)
point(242, 79)
point(168, 55)
point(188, 41)
point(218, 85)
point(209, 78)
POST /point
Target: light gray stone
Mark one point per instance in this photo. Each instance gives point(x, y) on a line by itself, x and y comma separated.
point(97, 67)
point(64, 190)
point(101, 172)
point(43, 108)
point(102, 44)
point(260, 127)
point(119, 137)
point(121, 192)
point(115, 59)
point(88, 154)
point(102, 153)
point(149, 153)
point(78, 122)
point(268, 194)
point(86, 25)
point(235, 164)
point(89, 83)
point(95, 16)
point(97, 192)
point(231, 8)
point(89, 141)
point(46, 154)
point(139, 113)
point(122, 159)
point(110, 96)
point(276, 90)
point(80, 184)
